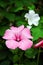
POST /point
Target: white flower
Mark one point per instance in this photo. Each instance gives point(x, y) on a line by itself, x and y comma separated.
point(29, 26)
point(33, 19)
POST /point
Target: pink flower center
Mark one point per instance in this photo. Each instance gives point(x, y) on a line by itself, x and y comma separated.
point(18, 38)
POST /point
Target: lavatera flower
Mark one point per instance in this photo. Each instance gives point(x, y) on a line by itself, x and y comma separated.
point(33, 19)
point(18, 37)
point(39, 44)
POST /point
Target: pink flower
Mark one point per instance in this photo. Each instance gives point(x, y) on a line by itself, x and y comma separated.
point(18, 37)
point(40, 44)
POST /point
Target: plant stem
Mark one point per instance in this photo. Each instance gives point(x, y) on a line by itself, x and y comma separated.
point(38, 56)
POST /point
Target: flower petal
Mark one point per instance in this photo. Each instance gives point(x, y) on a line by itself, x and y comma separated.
point(31, 12)
point(20, 28)
point(36, 19)
point(26, 15)
point(25, 44)
point(36, 23)
point(40, 44)
point(11, 44)
point(17, 29)
point(26, 33)
point(29, 27)
point(14, 29)
point(30, 22)
point(8, 35)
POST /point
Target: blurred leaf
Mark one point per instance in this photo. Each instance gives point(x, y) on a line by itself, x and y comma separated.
point(11, 2)
point(16, 9)
point(3, 4)
point(1, 47)
point(15, 64)
point(33, 1)
point(27, 2)
point(33, 63)
point(30, 53)
point(14, 51)
point(15, 58)
point(31, 7)
point(2, 55)
point(2, 29)
point(18, 3)
point(8, 15)
point(21, 22)
point(6, 62)
point(21, 64)
point(30, 62)
point(41, 19)
point(37, 32)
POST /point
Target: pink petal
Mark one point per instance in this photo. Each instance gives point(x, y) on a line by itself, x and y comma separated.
point(25, 44)
point(8, 35)
point(26, 33)
point(18, 34)
point(14, 29)
point(40, 44)
point(17, 29)
point(20, 28)
point(11, 44)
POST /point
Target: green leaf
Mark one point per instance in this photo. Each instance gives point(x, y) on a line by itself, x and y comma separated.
point(9, 16)
point(3, 4)
point(41, 35)
point(1, 47)
point(15, 64)
point(31, 7)
point(21, 22)
point(14, 51)
point(30, 53)
point(6, 62)
point(41, 19)
point(15, 58)
point(27, 2)
point(30, 62)
point(16, 9)
point(2, 55)
point(33, 63)
point(33, 1)
point(2, 29)
point(21, 64)
point(18, 3)
point(11, 2)
point(37, 32)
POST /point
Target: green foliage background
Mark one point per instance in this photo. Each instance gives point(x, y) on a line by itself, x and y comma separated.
point(12, 13)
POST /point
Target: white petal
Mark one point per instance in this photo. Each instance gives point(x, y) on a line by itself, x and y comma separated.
point(36, 23)
point(26, 15)
point(30, 22)
point(31, 12)
point(36, 17)
point(29, 27)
